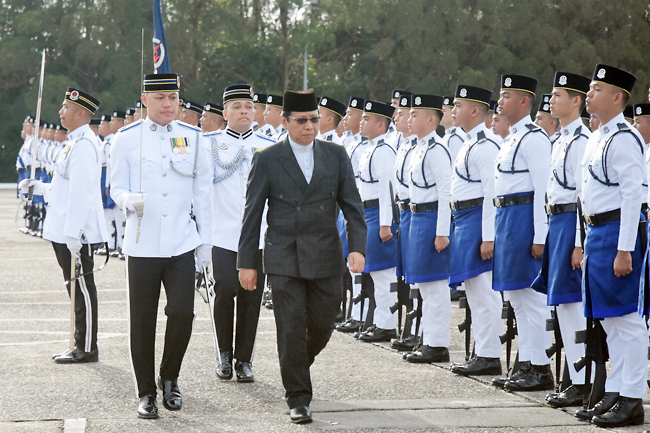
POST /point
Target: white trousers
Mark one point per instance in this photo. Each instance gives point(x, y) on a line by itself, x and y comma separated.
point(108, 214)
point(384, 298)
point(436, 313)
point(486, 307)
point(356, 308)
point(531, 313)
point(120, 221)
point(572, 319)
point(627, 341)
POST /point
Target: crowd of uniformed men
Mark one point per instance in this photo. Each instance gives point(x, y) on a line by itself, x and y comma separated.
point(492, 207)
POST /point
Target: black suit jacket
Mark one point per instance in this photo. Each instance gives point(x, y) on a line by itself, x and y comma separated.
point(302, 239)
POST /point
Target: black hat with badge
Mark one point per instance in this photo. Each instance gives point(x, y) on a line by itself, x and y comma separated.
point(642, 110)
point(276, 100)
point(614, 77)
point(259, 98)
point(427, 102)
point(405, 101)
point(545, 103)
point(213, 108)
point(82, 99)
point(396, 94)
point(95, 121)
point(569, 81)
point(130, 111)
point(379, 108)
point(118, 115)
point(447, 101)
point(628, 113)
point(474, 94)
point(138, 105)
point(105, 118)
point(332, 105)
point(521, 83)
point(155, 83)
point(356, 103)
point(238, 92)
point(494, 106)
point(193, 106)
point(299, 101)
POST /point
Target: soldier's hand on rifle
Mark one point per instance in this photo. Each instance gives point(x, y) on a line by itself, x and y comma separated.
point(39, 187)
point(537, 250)
point(248, 279)
point(357, 262)
point(487, 250)
point(384, 233)
point(576, 258)
point(622, 263)
point(441, 243)
point(74, 245)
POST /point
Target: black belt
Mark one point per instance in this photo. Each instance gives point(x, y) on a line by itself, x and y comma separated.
point(424, 207)
point(602, 218)
point(554, 209)
point(513, 200)
point(371, 203)
point(466, 204)
point(403, 205)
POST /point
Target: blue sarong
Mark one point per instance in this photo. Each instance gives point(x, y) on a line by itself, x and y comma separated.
point(340, 224)
point(466, 261)
point(379, 255)
point(425, 264)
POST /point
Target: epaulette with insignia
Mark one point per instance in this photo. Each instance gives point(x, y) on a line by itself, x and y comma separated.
point(187, 125)
point(129, 126)
point(432, 142)
point(480, 137)
point(532, 127)
point(381, 142)
point(578, 131)
point(264, 137)
point(623, 127)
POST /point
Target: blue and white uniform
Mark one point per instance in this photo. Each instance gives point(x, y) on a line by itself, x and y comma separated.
point(453, 140)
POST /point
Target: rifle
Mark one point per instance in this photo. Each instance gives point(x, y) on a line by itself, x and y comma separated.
point(367, 292)
point(508, 313)
point(553, 324)
point(466, 326)
point(595, 341)
point(400, 286)
point(37, 122)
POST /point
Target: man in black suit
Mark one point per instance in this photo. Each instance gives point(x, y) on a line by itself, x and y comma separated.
point(303, 180)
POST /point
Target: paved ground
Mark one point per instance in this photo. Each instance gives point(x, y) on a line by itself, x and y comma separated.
point(358, 386)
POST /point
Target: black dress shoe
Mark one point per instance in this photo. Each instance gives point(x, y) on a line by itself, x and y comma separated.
point(300, 415)
point(244, 372)
point(524, 369)
point(540, 378)
point(224, 368)
point(602, 407)
point(572, 396)
point(77, 356)
point(349, 326)
point(147, 407)
point(627, 411)
point(377, 335)
point(478, 366)
point(426, 354)
point(172, 398)
point(403, 345)
point(56, 355)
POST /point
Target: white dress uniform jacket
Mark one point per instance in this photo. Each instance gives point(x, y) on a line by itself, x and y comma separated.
point(176, 178)
point(453, 140)
point(330, 136)
point(375, 171)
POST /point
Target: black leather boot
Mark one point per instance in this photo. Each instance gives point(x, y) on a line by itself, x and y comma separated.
point(602, 407)
point(540, 378)
point(626, 411)
point(524, 369)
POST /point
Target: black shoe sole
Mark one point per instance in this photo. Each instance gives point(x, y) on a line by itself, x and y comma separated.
point(148, 416)
point(301, 420)
point(478, 373)
point(635, 421)
point(245, 379)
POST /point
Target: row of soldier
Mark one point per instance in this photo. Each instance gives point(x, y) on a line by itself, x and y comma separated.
point(498, 185)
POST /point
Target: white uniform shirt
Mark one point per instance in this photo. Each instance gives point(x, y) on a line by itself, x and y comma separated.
point(167, 229)
point(278, 133)
point(267, 130)
point(402, 162)
point(375, 172)
point(623, 163)
point(231, 156)
point(355, 151)
point(473, 174)
point(349, 139)
point(75, 202)
point(330, 135)
point(430, 178)
point(453, 140)
point(531, 166)
point(24, 156)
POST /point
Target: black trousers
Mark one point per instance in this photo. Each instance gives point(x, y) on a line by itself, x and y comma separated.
point(226, 288)
point(85, 305)
point(144, 276)
point(305, 311)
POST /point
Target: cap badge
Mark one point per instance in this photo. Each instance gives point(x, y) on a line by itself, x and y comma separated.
point(403, 102)
point(463, 93)
point(639, 110)
point(256, 98)
point(446, 101)
point(508, 82)
point(323, 102)
point(368, 106)
point(601, 73)
point(562, 81)
point(207, 107)
point(114, 113)
point(353, 103)
point(269, 99)
point(418, 101)
point(74, 95)
point(545, 108)
point(546, 99)
point(188, 105)
point(396, 95)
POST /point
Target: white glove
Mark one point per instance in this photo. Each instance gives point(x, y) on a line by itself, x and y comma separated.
point(203, 256)
point(39, 187)
point(135, 199)
point(74, 245)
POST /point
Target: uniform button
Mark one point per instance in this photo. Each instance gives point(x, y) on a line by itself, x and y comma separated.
point(164, 194)
point(164, 155)
point(164, 174)
point(298, 208)
point(164, 214)
point(162, 137)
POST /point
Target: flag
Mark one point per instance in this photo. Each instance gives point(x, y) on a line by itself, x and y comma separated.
point(160, 59)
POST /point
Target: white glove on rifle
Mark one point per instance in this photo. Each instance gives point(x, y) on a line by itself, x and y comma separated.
point(74, 245)
point(39, 187)
point(203, 256)
point(135, 199)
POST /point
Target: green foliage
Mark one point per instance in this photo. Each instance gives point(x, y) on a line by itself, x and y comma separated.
point(363, 48)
